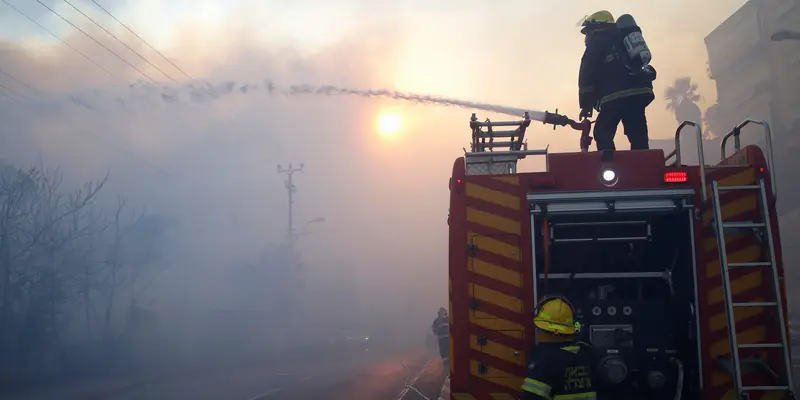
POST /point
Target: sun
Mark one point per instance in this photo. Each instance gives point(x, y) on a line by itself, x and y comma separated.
point(389, 124)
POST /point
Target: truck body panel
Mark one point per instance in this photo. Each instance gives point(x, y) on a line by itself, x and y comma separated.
point(505, 252)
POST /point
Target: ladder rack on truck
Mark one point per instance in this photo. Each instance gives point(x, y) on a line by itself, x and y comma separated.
point(675, 271)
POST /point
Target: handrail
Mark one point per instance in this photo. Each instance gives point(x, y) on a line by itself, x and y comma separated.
point(701, 154)
point(737, 145)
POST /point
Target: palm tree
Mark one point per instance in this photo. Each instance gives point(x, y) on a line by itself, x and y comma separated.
point(682, 100)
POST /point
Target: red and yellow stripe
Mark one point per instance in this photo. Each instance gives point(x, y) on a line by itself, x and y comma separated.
point(496, 230)
point(753, 324)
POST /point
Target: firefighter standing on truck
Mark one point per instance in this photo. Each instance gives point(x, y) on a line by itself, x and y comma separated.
point(441, 328)
point(608, 83)
point(559, 367)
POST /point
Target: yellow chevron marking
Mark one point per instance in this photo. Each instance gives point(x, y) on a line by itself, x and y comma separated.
point(499, 377)
point(755, 334)
point(738, 286)
point(497, 350)
point(494, 297)
point(502, 199)
point(502, 274)
point(462, 396)
point(710, 243)
point(720, 321)
point(719, 377)
point(732, 208)
point(746, 177)
point(748, 254)
point(502, 396)
point(493, 221)
point(500, 325)
point(773, 395)
point(450, 312)
point(509, 179)
point(486, 243)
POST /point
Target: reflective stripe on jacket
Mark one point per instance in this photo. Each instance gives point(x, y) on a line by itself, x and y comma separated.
point(604, 76)
point(560, 371)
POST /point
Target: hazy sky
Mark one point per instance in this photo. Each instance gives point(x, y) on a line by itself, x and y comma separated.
point(213, 163)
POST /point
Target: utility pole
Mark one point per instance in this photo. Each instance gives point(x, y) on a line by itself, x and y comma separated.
point(290, 188)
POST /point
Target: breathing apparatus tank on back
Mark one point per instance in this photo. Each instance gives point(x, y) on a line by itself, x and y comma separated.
point(637, 54)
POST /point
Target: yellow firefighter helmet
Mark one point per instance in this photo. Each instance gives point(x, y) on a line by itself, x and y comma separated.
point(555, 315)
point(600, 19)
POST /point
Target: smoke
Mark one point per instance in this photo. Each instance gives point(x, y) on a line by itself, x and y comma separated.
point(198, 93)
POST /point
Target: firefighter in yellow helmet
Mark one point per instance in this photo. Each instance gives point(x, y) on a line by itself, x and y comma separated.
point(609, 84)
point(559, 366)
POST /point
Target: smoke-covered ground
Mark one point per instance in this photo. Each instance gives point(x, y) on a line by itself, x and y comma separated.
point(193, 150)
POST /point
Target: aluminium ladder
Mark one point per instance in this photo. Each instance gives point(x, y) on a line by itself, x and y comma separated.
point(771, 263)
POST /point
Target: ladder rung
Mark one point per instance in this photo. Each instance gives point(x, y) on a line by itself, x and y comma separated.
point(763, 388)
point(760, 346)
point(750, 264)
point(745, 187)
point(734, 225)
point(756, 304)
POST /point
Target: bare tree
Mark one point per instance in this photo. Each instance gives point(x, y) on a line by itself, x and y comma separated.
point(34, 240)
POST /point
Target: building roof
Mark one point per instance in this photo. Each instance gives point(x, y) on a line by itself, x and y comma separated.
point(719, 30)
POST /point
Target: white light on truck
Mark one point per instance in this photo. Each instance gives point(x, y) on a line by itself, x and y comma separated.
point(608, 176)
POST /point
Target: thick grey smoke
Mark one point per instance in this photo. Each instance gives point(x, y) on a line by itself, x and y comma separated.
point(98, 99)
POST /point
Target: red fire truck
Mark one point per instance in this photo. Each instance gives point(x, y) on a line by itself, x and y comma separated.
point(675, 270)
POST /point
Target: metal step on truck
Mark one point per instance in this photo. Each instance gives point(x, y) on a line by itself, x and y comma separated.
point(675, 270)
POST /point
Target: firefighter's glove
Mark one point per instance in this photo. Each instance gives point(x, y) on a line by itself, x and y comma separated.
point(585, 113)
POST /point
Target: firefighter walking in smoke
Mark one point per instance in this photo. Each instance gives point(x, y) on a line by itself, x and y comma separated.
point(441, 328)
point(559, 366)
point(615, 79)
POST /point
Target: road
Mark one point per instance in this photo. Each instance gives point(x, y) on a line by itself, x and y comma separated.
point(362, 376)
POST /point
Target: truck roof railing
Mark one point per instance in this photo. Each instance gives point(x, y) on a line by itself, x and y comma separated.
point(701, 155)
point(737, 145)
point(490, 157)
point(735, 132)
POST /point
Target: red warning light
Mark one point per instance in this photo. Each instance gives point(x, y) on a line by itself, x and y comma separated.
point(761, 169)
point(676, 177)
point(458, 181)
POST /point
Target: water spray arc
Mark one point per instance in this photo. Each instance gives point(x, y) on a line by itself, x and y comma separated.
point(200, 92)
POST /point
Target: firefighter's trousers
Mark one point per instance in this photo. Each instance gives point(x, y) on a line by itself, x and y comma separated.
point(444, 350)
point(629, 110)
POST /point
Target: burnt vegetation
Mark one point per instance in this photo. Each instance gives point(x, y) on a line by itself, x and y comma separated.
point(65, 264)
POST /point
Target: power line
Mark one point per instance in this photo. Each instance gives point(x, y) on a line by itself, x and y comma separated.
point(140, 38)
point(129, 29)
point(150, 46)
point(95, 40)
point(60, 39)
point(9, 97)
point(19, 81)
point(14, 91)
point(116, 148)
point(120, 41)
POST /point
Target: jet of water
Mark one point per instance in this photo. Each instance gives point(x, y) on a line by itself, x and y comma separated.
point(200, 92)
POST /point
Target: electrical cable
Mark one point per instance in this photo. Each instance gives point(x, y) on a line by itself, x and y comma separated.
point(142, 39)
point(96, 41)
point(60, 39)
point(120, 41)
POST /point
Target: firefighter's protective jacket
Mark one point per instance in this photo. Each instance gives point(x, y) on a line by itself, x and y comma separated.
point(560, 371)
point(604, 75)
point(441, 327)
